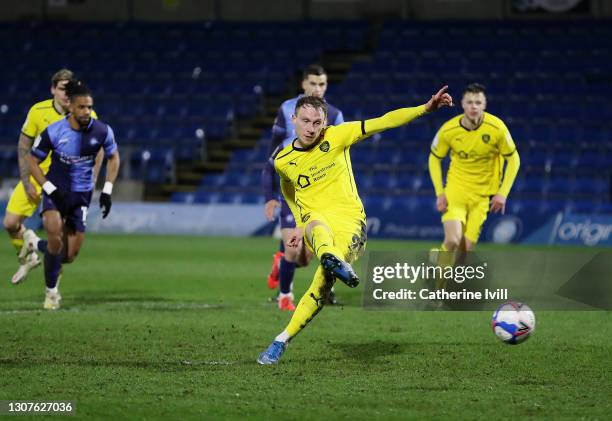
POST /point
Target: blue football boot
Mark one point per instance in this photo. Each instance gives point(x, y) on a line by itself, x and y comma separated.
point(272, 354)
point(339, 269)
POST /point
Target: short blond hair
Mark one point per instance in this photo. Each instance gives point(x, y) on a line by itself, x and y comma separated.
point(62, 74)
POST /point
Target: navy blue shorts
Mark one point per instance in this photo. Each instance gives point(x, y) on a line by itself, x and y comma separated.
point(78, 203)
point(286, 217)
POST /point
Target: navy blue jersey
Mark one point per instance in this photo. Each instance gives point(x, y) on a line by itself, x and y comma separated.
point(74, 152)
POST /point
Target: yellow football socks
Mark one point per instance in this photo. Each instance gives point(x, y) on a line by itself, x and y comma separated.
point(17, 243)
point(311, 303)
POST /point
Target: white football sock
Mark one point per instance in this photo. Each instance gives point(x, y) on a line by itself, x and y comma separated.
point(283, 337)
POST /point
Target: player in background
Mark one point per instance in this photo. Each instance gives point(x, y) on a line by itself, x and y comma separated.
point(314, 83)
point(68, 185)
point(478, 143)
point(26, 197)
point(317, 182)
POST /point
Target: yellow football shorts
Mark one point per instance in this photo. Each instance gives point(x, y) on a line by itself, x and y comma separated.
point(350, 234)
point(469, 208)
point(20, 204)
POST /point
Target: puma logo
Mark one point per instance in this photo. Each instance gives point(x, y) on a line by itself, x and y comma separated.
point(318, 301)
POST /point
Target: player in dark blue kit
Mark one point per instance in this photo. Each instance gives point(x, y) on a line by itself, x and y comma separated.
point(314, 83)
point(67, 188)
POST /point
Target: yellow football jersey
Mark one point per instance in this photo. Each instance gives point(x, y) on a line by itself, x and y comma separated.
point(41, 115)
point(322, 175)
point(476, 155)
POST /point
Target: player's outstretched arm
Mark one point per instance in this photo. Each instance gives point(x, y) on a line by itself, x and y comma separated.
point(403, 116)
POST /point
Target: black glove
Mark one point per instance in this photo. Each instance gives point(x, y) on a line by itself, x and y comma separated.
point(59, 200)
point(105, 204)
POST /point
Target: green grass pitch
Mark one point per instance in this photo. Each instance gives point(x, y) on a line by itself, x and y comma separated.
point(170, 328)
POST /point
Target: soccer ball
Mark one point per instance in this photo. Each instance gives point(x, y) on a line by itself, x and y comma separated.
point(513, 322)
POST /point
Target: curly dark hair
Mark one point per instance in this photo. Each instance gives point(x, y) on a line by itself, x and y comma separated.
point(76, 88)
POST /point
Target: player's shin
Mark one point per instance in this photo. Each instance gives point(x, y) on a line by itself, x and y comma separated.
point(53, 266)
point(286, 273)
point(17, 244)
point(16, 235)
point(311, 303)
point(443, 258)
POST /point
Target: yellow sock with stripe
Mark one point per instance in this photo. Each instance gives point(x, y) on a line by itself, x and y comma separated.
point(17, 243)
point(310, 304)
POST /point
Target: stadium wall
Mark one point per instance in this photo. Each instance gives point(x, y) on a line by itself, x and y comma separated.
point(248, 220)
point(271, 10)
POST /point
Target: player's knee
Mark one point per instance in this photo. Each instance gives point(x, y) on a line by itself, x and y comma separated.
point(54, 243)
point(11, 223)
point(291, 254)
point(311, 226)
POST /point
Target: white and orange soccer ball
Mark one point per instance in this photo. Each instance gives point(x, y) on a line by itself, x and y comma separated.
point(513, 322)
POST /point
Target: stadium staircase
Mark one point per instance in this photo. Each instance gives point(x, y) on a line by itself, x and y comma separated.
point(247, 132)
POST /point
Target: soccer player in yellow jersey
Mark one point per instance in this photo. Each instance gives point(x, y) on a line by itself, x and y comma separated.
point(318, 185)
point(478, 143)
point(26, 197)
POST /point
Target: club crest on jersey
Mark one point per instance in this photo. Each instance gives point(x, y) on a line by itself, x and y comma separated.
point(303, 181)
point(324, 147)
point(93, 141)
point(486, 138)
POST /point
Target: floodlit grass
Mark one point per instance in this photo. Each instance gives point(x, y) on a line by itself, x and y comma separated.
point(154, 327)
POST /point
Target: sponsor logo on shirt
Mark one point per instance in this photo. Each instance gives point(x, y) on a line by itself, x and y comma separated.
point(303, 181)
point(71, 160)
